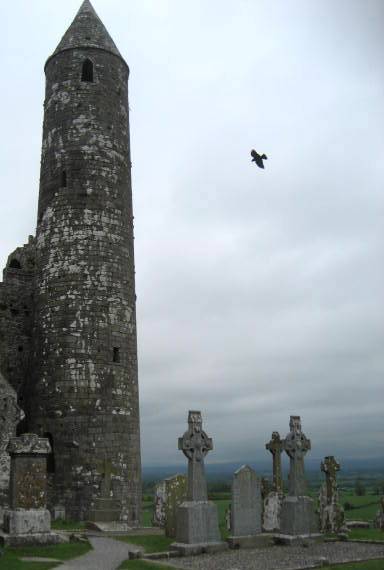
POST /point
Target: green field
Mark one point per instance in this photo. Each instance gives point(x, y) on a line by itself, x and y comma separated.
point(364, 508)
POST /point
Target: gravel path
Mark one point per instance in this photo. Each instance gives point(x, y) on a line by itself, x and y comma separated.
point(281, 557)
point(107, 554)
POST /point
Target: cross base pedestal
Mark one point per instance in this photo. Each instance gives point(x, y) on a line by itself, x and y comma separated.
point(298, 516)
point(197, 523)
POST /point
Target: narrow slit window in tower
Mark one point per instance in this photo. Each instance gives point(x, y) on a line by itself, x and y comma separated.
point(64, 179)
point(87, 71)
point(116, 354)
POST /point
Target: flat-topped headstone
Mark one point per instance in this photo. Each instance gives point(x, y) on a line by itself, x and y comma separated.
point(245, 503)
point(197, 526)
point(297, 511)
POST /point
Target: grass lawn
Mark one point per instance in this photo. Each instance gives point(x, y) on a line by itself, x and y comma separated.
point(222, 506)
point(366, 534)
point(11, 559)
point(142, 565)
point(150, 542)
point(61, 524)
point(147, 513)
point(371, 565)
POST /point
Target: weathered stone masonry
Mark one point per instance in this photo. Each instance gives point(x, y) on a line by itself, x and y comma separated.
point(83, 391)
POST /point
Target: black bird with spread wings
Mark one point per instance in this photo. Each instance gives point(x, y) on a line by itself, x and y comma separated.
point(256, 157)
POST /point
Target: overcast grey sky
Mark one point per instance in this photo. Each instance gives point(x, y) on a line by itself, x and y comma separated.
point(260, 293)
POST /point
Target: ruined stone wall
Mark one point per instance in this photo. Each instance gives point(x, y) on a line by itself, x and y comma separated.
point(85, 394)
point(16, 317)
point(10, 416)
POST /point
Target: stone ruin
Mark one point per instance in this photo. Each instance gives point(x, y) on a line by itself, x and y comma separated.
point(158, 518)
point(10, 416)
point(274, 499)
point(197, 527)
point(379, 519)
point(28, 522)
point(169, 494)
point(332, 518)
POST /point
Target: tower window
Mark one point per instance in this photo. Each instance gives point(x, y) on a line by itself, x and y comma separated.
point(87, 71)
point(64, 179)
point(116, 354)
point(15, 264)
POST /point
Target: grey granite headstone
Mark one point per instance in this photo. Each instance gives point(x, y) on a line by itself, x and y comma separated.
point(298, 511)
point(246, 503)
point(197, 526)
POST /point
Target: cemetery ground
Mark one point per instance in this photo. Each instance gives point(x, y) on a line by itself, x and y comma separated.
point(361, 507)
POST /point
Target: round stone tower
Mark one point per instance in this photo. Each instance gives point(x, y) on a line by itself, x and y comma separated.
point(84, 396)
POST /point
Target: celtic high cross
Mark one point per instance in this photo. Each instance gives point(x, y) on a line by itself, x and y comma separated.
point(195, 445)
point(296, 445)
point(276, 446)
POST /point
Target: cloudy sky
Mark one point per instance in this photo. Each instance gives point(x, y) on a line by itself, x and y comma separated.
point(260, 293)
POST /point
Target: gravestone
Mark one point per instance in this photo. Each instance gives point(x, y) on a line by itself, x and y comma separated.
point(274, 499)
point(246, 506)
point(298, 510)
point(176, 494)
point(246, 503)
point(197, 526)
point(276, 446)
point(10, 416)
point(379, 519)
point(159, 505)
point(332, 519)
point(28, 521)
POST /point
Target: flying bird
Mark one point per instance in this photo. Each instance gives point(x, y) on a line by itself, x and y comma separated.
point(256, 157)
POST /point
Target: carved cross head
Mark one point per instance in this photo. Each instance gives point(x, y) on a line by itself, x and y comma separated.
point(330, 466)
point(276, 444)
point(195, 443)
point(296, 444)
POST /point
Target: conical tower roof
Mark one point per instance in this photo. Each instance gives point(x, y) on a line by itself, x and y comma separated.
point(87, 30)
